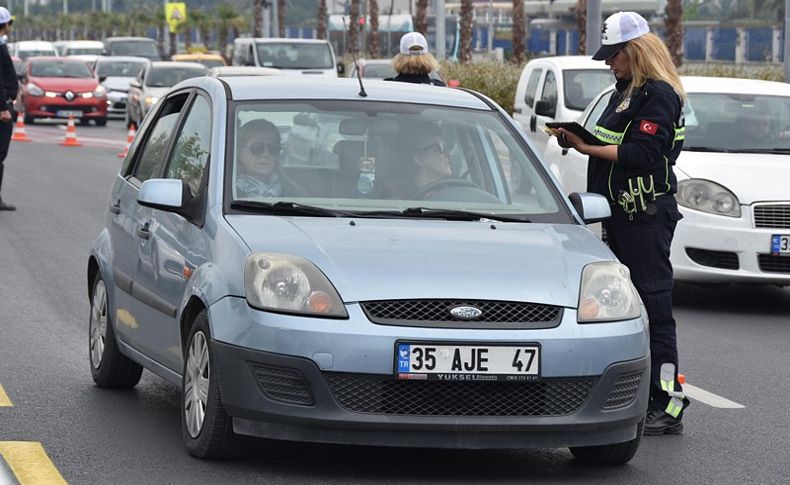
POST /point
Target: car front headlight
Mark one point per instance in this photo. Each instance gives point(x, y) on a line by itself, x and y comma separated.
point(150, 101)
point(706, 196)
point(34, 90)
point(607, 294)
point(285, 283)
point(99, 92)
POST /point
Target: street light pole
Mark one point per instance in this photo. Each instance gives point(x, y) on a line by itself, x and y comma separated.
point(593, 27)
point(440, 30)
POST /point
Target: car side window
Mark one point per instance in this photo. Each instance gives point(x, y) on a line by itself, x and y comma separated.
point(532, 87)
point(152, 154)
point(550, 89)
point(190, 154)
point(595, 113)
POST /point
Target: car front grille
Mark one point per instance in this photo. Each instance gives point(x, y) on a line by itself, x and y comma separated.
point(436, 313)
point(714, 259)
point(283, 384)
point(623, 390)
point(377, 394)
point(772, 216)
point(771, 263)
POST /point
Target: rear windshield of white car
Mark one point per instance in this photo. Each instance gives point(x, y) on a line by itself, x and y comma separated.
point(60, 69)
point(386, 156)
point(737, 122)
point(119, 68)
point(133, 48)
point(83, 51)
point(166, 76)
point(295, 55)
point(582, 85)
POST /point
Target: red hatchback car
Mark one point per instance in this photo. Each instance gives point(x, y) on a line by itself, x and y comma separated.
point(57, 87)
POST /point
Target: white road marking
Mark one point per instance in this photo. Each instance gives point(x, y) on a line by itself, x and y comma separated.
point(709, 398)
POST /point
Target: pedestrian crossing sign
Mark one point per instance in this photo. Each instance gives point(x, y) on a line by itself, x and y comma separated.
point(176, 14)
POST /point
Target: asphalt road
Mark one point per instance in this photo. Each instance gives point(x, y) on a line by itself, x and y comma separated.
point(733, 343)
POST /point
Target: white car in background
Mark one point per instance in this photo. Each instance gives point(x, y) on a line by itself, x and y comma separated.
point(116, 74)
point(733, 180)
point(234, 71)
point(32, 48)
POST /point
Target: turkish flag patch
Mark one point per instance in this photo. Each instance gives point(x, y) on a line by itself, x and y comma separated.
point(648, 127)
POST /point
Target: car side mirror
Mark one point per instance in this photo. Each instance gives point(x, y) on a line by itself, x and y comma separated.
point(170, 195)
point(591, 207)
point(134, 84)
point(545, 108)
point(341, 68)
point(21, 77)
point(102, 79)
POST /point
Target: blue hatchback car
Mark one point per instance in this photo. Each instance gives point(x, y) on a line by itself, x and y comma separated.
point(392, 266)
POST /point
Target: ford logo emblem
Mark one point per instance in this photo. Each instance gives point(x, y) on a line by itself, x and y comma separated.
point(69, 95)
point(466, 312)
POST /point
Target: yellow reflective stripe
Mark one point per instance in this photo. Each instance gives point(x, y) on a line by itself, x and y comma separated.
point(30, 463)
point(608, 136)
point(674, 407)
point(4, 400)
point(680, 133)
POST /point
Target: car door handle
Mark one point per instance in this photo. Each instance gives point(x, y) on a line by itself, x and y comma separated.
point(143, 232)
point(116, 207)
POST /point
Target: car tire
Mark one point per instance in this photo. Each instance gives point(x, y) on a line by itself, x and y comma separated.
point(109, 367)
point(615, 454)
point(206, 427)
point(101, 121)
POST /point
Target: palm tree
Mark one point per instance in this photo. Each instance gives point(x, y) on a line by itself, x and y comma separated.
point(518, 31)
point(257, 18)
point(373, 36)
point(467, 7)
point(353, 14)
point(226, 14)
point(420, 17)
point(321, 27)
point(281, 18)
point(581, 24)
point(674, 27)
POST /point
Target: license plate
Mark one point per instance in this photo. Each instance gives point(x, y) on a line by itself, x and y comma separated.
point(484, 362)
point(780, 244)
point(67, 113)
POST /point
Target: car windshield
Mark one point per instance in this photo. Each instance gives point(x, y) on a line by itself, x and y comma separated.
point(737, 122)
point(133, 48)
point(295, 55)
point(119, 68)
point(60, 69)
point(582, 85)
point(24, 54)
point(167, 76)
point(385, 157)
point(83, 51)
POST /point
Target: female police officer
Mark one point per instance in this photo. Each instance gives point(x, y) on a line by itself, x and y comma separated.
point(643, 128)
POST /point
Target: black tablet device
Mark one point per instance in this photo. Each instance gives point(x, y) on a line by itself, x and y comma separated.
point(577, 129)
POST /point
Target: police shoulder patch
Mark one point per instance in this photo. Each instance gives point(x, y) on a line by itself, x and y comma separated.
point(648, 127)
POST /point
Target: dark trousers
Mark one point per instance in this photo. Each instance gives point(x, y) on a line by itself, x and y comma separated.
point(642, 243)
point(5, 140)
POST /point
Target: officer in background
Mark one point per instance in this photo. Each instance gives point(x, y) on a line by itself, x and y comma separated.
point(414, 63)
point(9, 85)
point(643, 126)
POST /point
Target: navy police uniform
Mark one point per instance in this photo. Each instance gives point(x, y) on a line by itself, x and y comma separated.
point(9, 85)
point(648, 129)
point(416, 79)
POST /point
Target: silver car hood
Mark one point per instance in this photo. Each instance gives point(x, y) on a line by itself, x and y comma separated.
point(404, 258)
point(117, 83)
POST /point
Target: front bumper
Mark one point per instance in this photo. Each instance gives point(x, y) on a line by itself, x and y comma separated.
point(710, 248)
point(116, 103)
point(313, 384)
point(45, 107)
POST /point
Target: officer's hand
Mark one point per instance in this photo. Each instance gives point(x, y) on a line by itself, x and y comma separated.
point(5, 116)
point(570, 139)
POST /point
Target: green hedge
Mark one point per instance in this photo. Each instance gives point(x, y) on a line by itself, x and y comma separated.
point(497, 80)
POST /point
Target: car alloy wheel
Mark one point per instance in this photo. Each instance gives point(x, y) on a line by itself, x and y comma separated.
point(98, 324)
point(196, 384)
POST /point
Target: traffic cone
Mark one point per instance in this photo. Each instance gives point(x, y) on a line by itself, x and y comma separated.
point(19, 129)
point(71, 135)
point(129, 139)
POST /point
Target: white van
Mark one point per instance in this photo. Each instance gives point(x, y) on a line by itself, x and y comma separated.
point(32, 48)
point(291, 56)
point(557, 89)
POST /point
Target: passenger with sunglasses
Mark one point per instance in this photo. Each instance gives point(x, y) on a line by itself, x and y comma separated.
point(258, 162)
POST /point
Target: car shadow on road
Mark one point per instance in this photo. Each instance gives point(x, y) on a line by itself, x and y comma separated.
point(733, 298)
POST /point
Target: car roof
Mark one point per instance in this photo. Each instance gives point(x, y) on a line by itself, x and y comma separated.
point(196, 55)
point(177, 64)
point(103, 59)
point(730, 85)
point(56, 58)
point(295, 87)
point(113, 39)
point(569, 62)
point(278, 40)
point(245, 70)
point(34, 44)
point(87, 43)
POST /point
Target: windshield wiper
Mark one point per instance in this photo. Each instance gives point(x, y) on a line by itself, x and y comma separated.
point(761, 150)
point(287, 208)
point(705, 149)
point(456, 215)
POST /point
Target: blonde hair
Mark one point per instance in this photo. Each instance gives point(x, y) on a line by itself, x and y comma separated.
point(415, 64)
point(649, 59)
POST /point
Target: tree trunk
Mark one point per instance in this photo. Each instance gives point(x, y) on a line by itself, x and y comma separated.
point(321, 28)
point(518, 32)
point(257, 16)
point(373, 36)
point(173, 43)
point(188, 39)
point(420, 17)
point(353, 26)
point(467, 8)
point(160, 40)
point(674, 27)
point(581, 23)
point(281, 18)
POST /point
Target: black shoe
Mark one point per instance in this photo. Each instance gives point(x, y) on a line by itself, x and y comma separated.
point(6, 207)
point(658, 422)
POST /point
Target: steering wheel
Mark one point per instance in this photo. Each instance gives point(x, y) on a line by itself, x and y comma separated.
point(442, 184)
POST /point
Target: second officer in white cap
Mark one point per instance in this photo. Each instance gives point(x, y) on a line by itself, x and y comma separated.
point(413, 64)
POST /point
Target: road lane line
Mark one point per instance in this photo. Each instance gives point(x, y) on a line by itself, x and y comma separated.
point(709, 398)
point(30, 463)
point(4, 401)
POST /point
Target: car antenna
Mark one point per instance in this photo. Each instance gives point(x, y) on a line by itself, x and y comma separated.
point(362, 92)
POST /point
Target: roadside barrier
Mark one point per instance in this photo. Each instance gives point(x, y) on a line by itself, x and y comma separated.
point(71, 135)
point(129, 139)
point(19, 129)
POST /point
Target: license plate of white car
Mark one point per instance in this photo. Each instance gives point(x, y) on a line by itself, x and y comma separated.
point(780, 244)
point(466, 362)
point(67, 113)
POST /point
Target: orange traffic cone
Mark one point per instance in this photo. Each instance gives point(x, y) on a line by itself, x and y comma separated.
point(19, 129)
point(129, 139)
point(71, 135)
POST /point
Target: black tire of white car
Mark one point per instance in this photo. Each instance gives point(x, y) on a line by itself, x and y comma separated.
point(615, 454)
point(115, 370)
point(216, 438)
